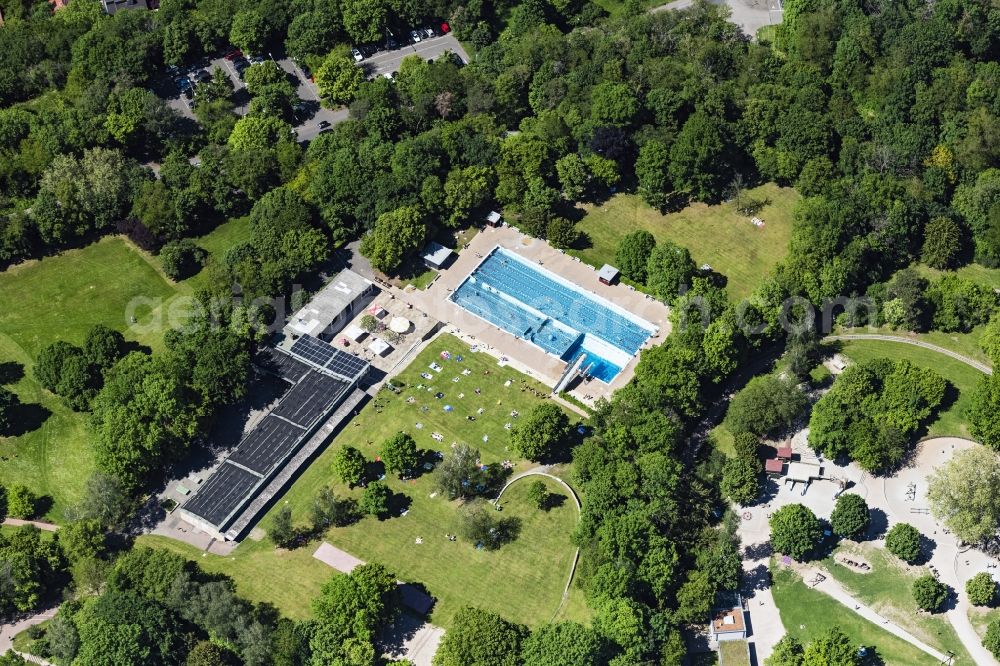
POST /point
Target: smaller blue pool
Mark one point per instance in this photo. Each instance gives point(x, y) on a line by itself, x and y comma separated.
point(552, 313)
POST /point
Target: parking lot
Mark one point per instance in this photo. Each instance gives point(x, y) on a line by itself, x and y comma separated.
point(387, 62)
point(313, 117)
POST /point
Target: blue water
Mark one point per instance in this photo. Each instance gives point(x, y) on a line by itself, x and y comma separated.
point(529, 303)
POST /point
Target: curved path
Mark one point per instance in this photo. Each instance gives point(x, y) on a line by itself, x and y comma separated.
point(542, 470)
point(981, 367)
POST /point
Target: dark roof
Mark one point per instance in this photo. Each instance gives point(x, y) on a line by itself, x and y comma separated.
point(267, 444)
point(271, 360)
point(773, 466)
point(222, 494)
point(309, 399)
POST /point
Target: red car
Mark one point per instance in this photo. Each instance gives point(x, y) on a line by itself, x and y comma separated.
point(445, 28)
point(233, 55)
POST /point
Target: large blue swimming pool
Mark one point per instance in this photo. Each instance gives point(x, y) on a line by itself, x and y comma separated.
point(538, 306)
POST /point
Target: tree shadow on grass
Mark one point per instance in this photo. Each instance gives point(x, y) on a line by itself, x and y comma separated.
point(11, 372)
point(553, 501)
point(398, 505)
point(25, 418)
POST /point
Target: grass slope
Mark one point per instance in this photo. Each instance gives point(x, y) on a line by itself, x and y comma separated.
point(808, 614)
point(523, 580)
point(951, 421)
point(61, 298)
point(888, 590)
point(715, 235)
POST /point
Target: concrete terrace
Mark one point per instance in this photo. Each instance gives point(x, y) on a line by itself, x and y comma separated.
point(434, 300)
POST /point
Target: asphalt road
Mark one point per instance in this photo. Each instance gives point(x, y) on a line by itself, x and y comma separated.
point(387, 62)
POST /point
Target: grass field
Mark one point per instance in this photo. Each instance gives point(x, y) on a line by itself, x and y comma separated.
point(61, 298)
point(523, 580)
point(734, 653)
point(715, 235)
point(888, 590)
point(981, 618)
point(952, 420)
point(808, 614)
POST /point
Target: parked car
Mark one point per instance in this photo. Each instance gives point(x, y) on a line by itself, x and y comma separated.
point(414, 36)
point(201, 76)
point(255, 60)
point(182, 84)
point(240, 66)
point(445, 28)
point(391, 43)
point(356, 54)
point(428, 33)
point(233, 55)
point(323, 124)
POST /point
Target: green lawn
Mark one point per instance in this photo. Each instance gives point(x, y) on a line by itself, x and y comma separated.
point(966, 344)
point(964, 378)
point(988, 277)
point(981, 618)
point(734, 653)
point(60, 298)
point(807, 614)
point(523, 580)
point(715, 235)
point(888, 590)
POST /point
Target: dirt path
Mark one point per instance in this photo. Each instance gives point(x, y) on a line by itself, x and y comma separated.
point(15, 522)
point(981, 367)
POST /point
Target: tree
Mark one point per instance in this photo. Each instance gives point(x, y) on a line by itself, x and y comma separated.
point(765, 405)
point(562, 644)
point(61, 635)
point(457, 475)
point(991, 641)
point(981, 589)
point(942, 243)
point(903, 541)
point(746, 445)
point(795, 531)
point(182, 259)
point(542, 433)
point(258, 133)
point(573, 176)
point(349, 465)
point(613, 104)
point(338, 79)
point(787, 652)
point(962, 494)
point(929, 593)
point(21, 502)
point(561, 233)
point(249, 31)
point(698, 161)
point(632, 255)
point(480, 638)
point(206, 653)
point(651, 171)
point(741, 479)
point(850, 517)
point(984, 412)
point(364, 20)
point(480, 526)
point(834, 648)
point(669, 271)
point(50, 361)
point(399, 454)
point(82, 539)
point(281, 530)
point(375, 499)
point(396, 234)
point(103, 346)
point(328, 510)
point(538, 494)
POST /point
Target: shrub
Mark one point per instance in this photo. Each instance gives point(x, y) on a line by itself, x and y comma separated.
point(929, 593)
point(21, 502)
point(741, 479)
point(991, 641)
point(981, 589)
point(903, 541)
point(538, 494)
point(182, 259)
point(746, 445)
point(375, 499)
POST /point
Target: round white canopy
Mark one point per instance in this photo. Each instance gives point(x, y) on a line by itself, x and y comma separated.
point(399, 324)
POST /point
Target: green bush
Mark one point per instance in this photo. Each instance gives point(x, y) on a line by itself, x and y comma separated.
point(850, 517)
point(929, 593)
point(981, 589)
point(182, 259)
point(903, 541)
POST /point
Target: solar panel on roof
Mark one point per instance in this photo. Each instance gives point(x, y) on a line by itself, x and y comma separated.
point(346, 364)
point(324, 356)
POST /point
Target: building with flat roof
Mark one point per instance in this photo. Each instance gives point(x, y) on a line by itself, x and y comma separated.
point(727, 623)
point(436, 256)
point(608, 274)
point(332, 307)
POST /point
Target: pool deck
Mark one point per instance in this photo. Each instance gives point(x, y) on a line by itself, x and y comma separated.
point(523, 355)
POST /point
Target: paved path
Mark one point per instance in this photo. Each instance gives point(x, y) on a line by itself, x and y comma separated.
point(15, 522)
point(832, 588)
point(8, 631)
point(981, 367)
point(751, 15)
